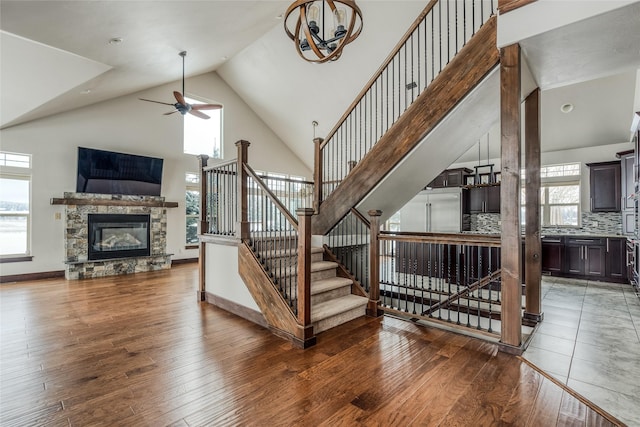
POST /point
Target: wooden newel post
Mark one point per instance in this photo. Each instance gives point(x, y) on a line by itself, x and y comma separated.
point(373, 308)
point(203, 159)
point(317, 174)
point(533, 245)
point(243, 190)
point(304, 277)
point(511, 246)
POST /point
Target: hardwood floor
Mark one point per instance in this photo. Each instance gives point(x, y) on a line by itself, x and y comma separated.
point(139, 350)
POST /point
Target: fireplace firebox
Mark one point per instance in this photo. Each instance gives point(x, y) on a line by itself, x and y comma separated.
point(118, 236)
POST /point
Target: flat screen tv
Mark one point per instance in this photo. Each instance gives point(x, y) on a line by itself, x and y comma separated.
point(108, 172)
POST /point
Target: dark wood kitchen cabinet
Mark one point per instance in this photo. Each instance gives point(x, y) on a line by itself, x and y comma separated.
point(482, 199)
point(605, 185)
point(552, 254)
point(585, 256)
point(616, 258)
point(450, 178)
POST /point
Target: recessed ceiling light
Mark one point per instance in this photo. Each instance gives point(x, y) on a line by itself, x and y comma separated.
point(115, 40)
point(566, 108)
point(85, 92)
point(224, 58)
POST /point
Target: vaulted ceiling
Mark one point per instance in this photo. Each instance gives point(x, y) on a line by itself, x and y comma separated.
point(56, 56)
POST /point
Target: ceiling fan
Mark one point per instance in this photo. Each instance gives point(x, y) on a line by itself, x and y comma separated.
point(182, 106)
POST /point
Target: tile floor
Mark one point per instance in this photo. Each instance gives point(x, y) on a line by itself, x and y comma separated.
point(590, 341)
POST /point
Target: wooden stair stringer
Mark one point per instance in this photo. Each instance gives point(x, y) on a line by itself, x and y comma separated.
point(465, 71)
point(274, 308)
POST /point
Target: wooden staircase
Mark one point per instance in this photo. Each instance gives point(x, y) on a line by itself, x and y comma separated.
point(332, 303)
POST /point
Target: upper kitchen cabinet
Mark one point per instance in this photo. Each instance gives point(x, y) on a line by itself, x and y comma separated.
point(627, 159)
point(482, 199)
point(450, 178)
point(605, 185)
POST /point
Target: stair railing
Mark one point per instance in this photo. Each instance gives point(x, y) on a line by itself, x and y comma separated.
point(436, 36)
point(219, 198)
point(445, 278)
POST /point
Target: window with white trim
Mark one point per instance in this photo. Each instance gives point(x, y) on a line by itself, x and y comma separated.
point(192, 207)
point(559, 195)
point(15, 202)
point(203, 136)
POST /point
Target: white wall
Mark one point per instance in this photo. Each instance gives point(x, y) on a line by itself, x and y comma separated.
point(128, 125)
point(222, 277)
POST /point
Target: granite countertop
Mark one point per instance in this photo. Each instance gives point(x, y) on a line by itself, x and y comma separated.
point(585, 235)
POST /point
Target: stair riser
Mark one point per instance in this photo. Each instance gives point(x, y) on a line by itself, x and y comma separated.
point(329, 295)
point(323, 274)
point(339, 319)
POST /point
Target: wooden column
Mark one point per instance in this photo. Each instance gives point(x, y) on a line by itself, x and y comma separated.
point(532, 243)
point(317, 174)
point(204, 228)
point(243, 190)
point(510, 196)
point(304, 277)
point(373, 307)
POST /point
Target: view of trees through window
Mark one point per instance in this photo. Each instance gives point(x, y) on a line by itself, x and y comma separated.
point(192, 207)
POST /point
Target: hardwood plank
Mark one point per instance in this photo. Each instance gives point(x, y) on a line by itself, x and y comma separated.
point(151, 354)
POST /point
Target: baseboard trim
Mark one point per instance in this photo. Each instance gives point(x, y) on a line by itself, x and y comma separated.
point(237, 309)
point(32, 276)
point(183, 261)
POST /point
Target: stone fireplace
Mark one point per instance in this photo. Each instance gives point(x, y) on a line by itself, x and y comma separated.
point(108, 235)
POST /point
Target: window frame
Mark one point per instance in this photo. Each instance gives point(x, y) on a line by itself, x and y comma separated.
point(24, 173)
point(190, 99)
point(566, 178)
point(191, 186)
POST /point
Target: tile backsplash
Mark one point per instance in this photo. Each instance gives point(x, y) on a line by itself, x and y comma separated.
point(607, 223)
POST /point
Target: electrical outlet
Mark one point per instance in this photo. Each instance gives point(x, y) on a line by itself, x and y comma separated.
point(57, 215)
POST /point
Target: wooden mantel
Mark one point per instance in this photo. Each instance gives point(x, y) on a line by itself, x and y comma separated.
point(112, 202)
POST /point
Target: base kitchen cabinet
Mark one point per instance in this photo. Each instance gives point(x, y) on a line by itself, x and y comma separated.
point(552, 254)
point(585, 257)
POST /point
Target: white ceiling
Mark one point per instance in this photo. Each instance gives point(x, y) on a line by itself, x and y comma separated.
point(52, 51)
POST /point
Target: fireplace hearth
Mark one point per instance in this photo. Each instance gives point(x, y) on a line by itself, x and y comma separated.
point(118, 236)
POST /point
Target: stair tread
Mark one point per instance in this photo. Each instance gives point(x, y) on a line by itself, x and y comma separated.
point(323, 265)
point(332, 307)
point(324, 285)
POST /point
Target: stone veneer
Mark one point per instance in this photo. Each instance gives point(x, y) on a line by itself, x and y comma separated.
point(76, 243)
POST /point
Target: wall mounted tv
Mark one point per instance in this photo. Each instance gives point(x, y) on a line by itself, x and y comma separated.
point(107, 172)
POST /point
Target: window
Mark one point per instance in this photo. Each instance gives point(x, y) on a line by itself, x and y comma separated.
point(192, 207)
point(15, 196)
point(559, 195)
point(203, 136)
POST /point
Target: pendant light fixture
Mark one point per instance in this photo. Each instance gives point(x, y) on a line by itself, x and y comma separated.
point(321, 28)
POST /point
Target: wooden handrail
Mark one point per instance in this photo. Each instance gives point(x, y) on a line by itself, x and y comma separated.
point(361, 217)
point(472, 287)
point(380, 70)
point(271, 196)
point(505, 6)
point(443, 238)
point(219, 165)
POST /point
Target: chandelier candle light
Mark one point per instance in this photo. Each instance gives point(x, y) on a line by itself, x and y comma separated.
point(314, 41)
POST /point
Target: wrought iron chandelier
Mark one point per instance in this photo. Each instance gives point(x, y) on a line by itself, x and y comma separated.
point(314, 40)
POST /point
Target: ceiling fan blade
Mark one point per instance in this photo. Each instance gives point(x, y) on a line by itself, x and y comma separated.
point(170, 112)
point(157, 102)
point(198, 114)
point(179, 97)
point(206, 106)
